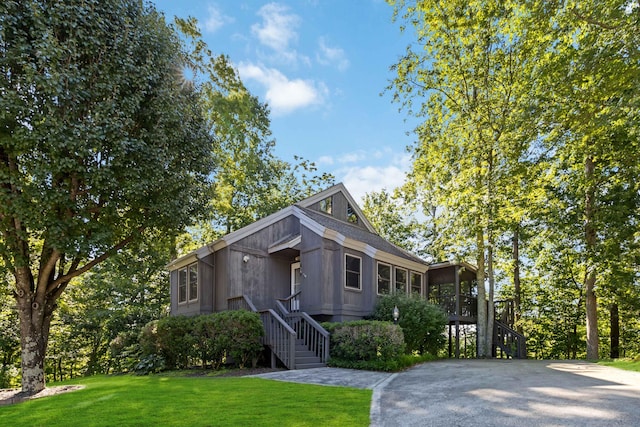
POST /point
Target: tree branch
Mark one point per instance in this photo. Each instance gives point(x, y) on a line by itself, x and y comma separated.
point(75, 272)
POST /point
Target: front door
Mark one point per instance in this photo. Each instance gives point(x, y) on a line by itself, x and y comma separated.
point(296, 279)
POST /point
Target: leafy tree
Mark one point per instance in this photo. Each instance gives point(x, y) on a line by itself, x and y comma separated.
point(250, 182)
point(586, 80)
point(462, 76)
point(100, 146)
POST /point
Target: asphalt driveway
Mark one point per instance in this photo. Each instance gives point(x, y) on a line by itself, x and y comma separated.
point(492, 393)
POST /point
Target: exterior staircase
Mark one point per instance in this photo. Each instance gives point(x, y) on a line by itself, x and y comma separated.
point(292, 336)
point(507, 342)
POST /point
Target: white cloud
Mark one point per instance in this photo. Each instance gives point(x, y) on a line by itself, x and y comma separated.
point(216, 20)
point(333, 56)
point(360, 180)
point(325, 160)
point(282, 94)
point(278, 28)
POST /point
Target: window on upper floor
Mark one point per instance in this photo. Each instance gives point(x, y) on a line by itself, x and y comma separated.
point(353, 272)
point(351, 215)
point(326, 205)
point(188, 283)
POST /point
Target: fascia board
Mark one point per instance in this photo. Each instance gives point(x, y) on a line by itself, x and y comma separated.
point(358, 245)
point(256, 226)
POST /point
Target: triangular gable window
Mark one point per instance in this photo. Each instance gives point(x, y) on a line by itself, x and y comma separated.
point(351, 215)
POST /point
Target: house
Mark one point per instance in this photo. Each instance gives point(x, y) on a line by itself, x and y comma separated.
point(317, 260)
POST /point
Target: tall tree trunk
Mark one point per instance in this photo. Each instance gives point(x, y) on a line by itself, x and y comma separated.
point(491, 308)
point(33, 344)
point(615, 331)
point(516, 276)
point(34, 313)
point(482, 296)
point(590, 279)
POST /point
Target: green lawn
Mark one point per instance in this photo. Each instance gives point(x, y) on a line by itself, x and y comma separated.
point(179, 401)
point(626, 364)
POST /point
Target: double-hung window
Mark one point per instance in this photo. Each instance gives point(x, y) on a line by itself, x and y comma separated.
point(188, 283)
point(416, 283)
point(401, 281)
point(384, 279)
point(353, 272)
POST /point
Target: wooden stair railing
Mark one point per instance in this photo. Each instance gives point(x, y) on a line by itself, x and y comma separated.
point(242, 302)
point(508, 341)
point(280, 338)
point(309, 333)
point(278, 335)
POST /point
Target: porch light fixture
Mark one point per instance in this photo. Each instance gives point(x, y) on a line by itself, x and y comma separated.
point(396, 314)
point(245, 259)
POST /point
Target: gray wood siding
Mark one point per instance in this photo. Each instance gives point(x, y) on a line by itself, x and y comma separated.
point(317, 295)
point(263, 277)
point(206, 283)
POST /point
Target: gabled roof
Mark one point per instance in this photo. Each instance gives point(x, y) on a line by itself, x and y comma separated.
point(351, 231)
point(345, 233)
point(338, 188)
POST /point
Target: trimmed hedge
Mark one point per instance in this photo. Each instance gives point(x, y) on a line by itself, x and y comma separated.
point(365, 344)
point(422, 322)
point(173, 342)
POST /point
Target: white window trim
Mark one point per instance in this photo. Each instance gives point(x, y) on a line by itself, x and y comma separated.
point(359, 288)
point(395, 288)
point(186, 284)
point(378, 264)
point(197, 283)
point(417, 273)
point(187, 269)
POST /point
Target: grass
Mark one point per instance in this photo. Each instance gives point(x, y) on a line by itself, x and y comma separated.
point(626, 364)
point(175, 401)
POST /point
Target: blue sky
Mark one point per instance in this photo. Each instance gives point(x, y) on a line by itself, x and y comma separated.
point(321, 65)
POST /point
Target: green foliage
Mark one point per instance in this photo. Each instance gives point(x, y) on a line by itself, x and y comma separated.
point(170, 337)
point(212, 338)
point(250, 181)
point(530, 114)
point(379, 343)
point(101, 146)
point(422, 322)
point(234, 333)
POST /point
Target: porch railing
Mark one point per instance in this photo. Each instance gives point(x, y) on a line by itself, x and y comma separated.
point(468, 305)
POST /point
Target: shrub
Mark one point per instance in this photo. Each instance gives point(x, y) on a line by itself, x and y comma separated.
point(172, 341)
point(377, 343)
point(242, 331)
point(170, 337)
point(423, 323)
point(210, 340)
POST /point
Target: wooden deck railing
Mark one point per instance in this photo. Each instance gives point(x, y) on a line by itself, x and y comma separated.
point(508, 341)
point(468, 305)
point(280, 337)
point(241, 302)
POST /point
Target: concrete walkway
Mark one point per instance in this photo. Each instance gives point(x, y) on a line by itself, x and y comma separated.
point(491, 393)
